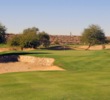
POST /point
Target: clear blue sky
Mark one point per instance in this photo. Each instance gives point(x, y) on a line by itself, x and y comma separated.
point(55, 16)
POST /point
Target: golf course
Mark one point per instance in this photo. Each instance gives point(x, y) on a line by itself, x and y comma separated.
point(86, 76)
point(54, 50)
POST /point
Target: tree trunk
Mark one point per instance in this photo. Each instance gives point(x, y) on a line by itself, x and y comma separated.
point(88, 47)
point(22, 48)
point(103, 46)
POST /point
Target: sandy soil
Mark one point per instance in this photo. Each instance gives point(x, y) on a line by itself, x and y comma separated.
point(4, 49)
point(97, 47)
point(23, 67)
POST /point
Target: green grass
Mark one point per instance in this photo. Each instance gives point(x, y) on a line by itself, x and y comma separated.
point(87, 77)
point(4, 45)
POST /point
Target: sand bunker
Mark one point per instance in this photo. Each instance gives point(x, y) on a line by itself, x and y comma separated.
point(26, 63)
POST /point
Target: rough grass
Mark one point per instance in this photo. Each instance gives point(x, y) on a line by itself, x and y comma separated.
point(4, 46)
point(87, 78)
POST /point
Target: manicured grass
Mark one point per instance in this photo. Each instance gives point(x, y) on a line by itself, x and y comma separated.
point(78, 60)
point(87, 77)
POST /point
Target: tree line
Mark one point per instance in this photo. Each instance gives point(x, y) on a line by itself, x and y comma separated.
point(29, 38)
point(33, 38)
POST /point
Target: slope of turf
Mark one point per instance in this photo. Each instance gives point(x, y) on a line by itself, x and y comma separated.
point(78, 60)
point(87, 78)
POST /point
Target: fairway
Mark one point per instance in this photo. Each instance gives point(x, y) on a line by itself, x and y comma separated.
point(87, 77)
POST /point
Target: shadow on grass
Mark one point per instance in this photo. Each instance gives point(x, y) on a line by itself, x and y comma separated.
point(14, 56)
point(59, 48)
point(22, 53)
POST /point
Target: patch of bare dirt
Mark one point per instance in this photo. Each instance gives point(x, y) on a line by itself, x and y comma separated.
point(97, 47)
point(4, 49)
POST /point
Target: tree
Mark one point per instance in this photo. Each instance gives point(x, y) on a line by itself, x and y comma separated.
point(29, 38)
point(44, 39)
point(32, 30)
point(14, 41)
point(2, 33)
point(93, 35)
point(56, 41)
